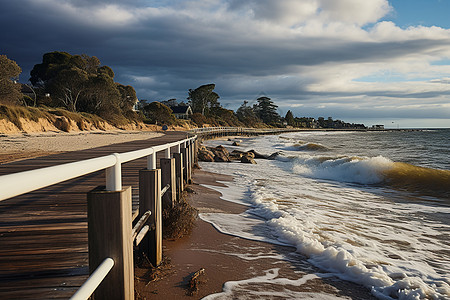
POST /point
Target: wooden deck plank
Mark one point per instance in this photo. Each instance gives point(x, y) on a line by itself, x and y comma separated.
point(43, 234)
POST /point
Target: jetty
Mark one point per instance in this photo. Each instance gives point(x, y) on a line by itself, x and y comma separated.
point(71, 221)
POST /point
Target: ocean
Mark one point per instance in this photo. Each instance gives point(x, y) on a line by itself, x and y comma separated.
point(367, 207)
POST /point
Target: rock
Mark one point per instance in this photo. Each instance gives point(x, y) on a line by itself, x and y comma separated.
point(221, 154)
point(205, 155)
point(250, 154)
point(258, 155)
point(235, 144)
point(237, 152)
point(248, 159)
point(273, 155)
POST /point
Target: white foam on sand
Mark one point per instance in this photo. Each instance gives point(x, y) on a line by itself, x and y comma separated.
point(250, 288)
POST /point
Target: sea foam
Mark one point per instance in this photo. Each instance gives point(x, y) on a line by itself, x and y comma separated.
point(347, 169)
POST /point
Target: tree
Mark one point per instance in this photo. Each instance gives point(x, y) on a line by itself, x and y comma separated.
point(247, 115)
point(80, 83)
point(158, 113)
point(68, 86)
point(203, 99)
point(52, 64)
point(267, 111)
point(289, 118)
point(127, 97)
point(9, 87)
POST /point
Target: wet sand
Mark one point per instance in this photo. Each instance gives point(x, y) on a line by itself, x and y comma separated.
point(227, 258)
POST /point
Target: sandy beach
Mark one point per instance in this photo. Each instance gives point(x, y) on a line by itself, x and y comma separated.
point(29, 145)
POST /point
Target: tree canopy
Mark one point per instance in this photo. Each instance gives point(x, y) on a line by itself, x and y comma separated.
point(267, 111)
point(247, 115)
point(158, 113)
point(9, 87)
point(203, 99)
point(80, 83)
point(289, 118)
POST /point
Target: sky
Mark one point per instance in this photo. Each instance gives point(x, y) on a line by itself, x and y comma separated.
point(363, 61)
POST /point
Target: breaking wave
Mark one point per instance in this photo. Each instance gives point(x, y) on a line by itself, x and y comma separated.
point(376, 170)
point(308, 147)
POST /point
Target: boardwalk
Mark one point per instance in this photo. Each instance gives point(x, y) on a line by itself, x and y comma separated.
point(43, 234)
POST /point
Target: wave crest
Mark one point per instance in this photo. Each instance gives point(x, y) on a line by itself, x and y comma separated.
point(346, 169)
point(376, 170)
point(309, 147)
point(413, 178)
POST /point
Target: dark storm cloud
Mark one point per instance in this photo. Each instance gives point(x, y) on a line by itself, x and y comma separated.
point(163, 48)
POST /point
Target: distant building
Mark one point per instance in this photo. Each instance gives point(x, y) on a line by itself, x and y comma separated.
point(182, 112)
point(377, 127)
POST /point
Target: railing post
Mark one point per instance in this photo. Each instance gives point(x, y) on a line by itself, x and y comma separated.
point(150, 199)
point(109, 231)
point(151, 161)
point(195, 151)
point(114, 176)
point(185, 153)
point(179, 173)
point(168, 177)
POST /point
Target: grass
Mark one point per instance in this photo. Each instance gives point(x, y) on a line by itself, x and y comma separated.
point(14, 114)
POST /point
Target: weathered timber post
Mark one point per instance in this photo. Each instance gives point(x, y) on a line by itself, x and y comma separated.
point(168, 177)
point(150, 199)
point(196, 151)
point(184, 152)
point(189, 163)
point(179, 173)
point(191, 152)
point(109, 231)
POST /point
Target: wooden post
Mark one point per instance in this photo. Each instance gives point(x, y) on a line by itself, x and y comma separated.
point(190, 163)
point(196, 151)
point(185, 153)
point(150, 199)
point(109, 230)
point(179, 173)
point(191, 156)
point(168, 177)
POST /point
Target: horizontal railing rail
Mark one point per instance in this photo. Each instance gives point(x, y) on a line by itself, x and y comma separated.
point(89, 286)
point(39, 178)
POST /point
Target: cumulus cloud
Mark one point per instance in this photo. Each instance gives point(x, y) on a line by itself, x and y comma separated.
point(341, 55)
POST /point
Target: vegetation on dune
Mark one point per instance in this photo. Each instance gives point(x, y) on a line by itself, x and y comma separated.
point(16, 114)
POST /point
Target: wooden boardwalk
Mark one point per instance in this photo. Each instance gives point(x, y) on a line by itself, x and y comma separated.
point(43, 234)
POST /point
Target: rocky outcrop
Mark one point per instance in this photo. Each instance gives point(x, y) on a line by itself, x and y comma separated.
point(205, 154)
point(221, 154)
point(258, 155)
point(248, 158)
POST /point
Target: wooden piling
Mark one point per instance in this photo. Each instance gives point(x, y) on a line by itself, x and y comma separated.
point(109, 230)
point(179, 173)
point(150, 199)
point(184, 152)
point(168, 177)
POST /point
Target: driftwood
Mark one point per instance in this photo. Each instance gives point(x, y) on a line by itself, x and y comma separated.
point(194, 282)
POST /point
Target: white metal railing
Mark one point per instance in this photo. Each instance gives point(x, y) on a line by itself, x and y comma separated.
point(89, 286)
point(40, 178)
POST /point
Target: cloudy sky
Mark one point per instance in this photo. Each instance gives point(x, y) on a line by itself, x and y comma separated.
point(370, 61)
